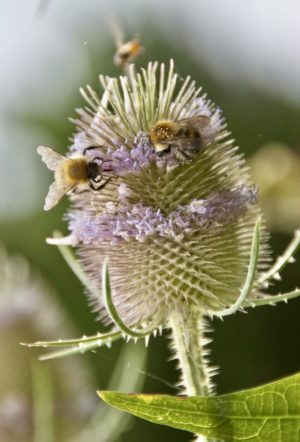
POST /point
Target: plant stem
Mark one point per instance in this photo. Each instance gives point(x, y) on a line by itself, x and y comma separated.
point(187, 334)
point(189, 347)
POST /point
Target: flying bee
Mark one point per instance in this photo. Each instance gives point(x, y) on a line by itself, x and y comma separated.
point(126, 51)
point(74, 173)
point(184, 136)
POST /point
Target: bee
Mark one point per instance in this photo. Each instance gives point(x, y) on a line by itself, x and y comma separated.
point(184, 136)
point(126, 51)
point(77, 173)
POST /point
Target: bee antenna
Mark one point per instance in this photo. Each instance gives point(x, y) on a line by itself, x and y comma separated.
point(91, 148)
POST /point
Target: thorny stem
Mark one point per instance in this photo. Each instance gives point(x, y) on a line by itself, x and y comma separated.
point(281, 261)
point(188, 344)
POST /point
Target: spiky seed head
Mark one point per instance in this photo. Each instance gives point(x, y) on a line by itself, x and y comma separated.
point(177, 233)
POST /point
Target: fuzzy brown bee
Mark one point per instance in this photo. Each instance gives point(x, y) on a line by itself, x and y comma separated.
point(127, 52)
point(184, 136)
point(71, 173)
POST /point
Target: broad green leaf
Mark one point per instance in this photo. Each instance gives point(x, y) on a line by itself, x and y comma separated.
point(267, 413)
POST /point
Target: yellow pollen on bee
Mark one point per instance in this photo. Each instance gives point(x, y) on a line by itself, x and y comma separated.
point(161, 131)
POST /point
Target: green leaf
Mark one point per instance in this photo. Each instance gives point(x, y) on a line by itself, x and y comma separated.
point(267, 413)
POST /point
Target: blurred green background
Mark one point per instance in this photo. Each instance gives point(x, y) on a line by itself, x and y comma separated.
point(246, 58)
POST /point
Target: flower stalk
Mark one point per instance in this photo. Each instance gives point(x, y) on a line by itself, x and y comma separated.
point(188, 344)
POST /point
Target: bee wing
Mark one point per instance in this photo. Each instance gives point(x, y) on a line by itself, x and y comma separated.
point(190, 147)
point(117, 31)
point(183, 143)
point(51, 158)
point(55, 194)
point(199, 121)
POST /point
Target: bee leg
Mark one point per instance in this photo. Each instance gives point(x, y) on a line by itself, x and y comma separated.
point(102, 160)
point(183, 156)
point(101, 185)
point(105, 182)
point(81, 191)
point(93, 187)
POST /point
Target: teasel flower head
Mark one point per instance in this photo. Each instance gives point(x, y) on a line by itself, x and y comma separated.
point(176, 227)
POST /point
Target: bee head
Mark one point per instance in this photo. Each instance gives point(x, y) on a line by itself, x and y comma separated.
point(94, 172)
point(162, 148)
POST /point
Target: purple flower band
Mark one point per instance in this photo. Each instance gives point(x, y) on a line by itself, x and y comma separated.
point(139, 222)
